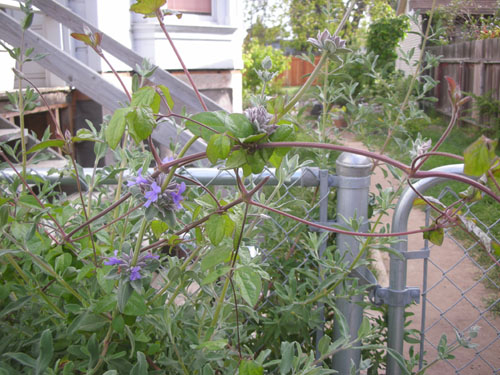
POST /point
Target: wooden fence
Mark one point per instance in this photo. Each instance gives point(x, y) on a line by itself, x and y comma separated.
point(298, 72)
point(475, 66)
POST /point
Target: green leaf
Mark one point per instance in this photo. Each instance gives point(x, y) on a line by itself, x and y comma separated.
point(287, 352)
point(146, 97)
point(324, 344)
point(29, 201)
point(496, 248)
point(254, 138)
point(214, 275)
point(4, 216)
point(141, 367)
point(215, 228)
point(27, 21)
point(116, 127)
point(22, 358)
point(166, 94)
point(14, 306)
point(158, 227)
point(237, 159)
point(91, 323)
point(364, 328)
point(436, 236)
point(256, 161)
point(124, 293)
point(213, 345)
point(46, 144)
point(218, 147)
point(210, 119)
point(93, 349)
point(62, 262)
point(105, 304)
point(284, 133)
point(249, 283)
point(478, 156)
point(9, 251)
point(111, 372)
point(141, 123)
point(248, 367)
point(239, 125)
point(118, 324)
point(82, 38)
point(216, 256)
point(136, 306)
point(147, 7)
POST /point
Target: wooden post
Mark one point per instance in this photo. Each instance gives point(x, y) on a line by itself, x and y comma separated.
point(478, 75)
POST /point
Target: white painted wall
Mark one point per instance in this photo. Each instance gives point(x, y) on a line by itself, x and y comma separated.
point(411, 41)
point(204, 41)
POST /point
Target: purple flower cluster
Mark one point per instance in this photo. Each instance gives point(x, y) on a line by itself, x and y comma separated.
point(124, 263)
point(169, 199)
point(260, 118)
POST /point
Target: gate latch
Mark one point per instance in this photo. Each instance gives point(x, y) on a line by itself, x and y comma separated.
point(387, 296)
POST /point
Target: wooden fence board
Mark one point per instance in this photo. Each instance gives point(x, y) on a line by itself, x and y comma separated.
point(474, 65)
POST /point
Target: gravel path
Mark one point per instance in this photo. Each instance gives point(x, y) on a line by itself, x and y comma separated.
point(455, 298)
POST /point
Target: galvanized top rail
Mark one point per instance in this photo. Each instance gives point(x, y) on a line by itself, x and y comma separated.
point(303, 177)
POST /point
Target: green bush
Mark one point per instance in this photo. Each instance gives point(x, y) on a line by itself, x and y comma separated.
point(384, 36)
point(253, 56)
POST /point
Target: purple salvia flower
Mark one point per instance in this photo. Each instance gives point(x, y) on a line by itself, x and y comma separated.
point(112, 261)
point(177, 197)
point(135, 273)
point(152, 195)
point(150, 256)
point(138, 180)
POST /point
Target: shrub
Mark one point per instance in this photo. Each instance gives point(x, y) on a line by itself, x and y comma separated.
point(384, 36)
point(254, 55)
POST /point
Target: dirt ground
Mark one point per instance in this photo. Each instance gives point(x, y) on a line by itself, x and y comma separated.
point(455, 297)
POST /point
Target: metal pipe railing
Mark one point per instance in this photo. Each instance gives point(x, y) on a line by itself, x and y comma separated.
point(398, 266)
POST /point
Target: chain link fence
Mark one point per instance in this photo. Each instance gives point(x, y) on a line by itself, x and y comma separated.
point(462, 291)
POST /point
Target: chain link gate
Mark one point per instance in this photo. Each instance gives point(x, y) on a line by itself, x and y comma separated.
point(460, 277)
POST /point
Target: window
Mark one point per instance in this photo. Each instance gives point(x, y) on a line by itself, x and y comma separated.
point(191, 6)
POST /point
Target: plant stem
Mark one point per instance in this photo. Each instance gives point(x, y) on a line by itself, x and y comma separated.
point(169, 283)
point(140, 236)
point(159, 15)
point(220, 303)
point(21, 108)
point(79, 187)
point(312, 77)
point(172, 170)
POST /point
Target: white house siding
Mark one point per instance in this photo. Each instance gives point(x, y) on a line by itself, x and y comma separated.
point(411, 41)
point(209, 44)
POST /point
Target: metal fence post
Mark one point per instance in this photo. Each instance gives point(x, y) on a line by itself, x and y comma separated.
point(352, 200)
point(398, 266)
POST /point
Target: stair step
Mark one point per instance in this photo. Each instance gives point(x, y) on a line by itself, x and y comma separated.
point(7, 135)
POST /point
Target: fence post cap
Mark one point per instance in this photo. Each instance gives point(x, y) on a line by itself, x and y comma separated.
point(353, 165)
